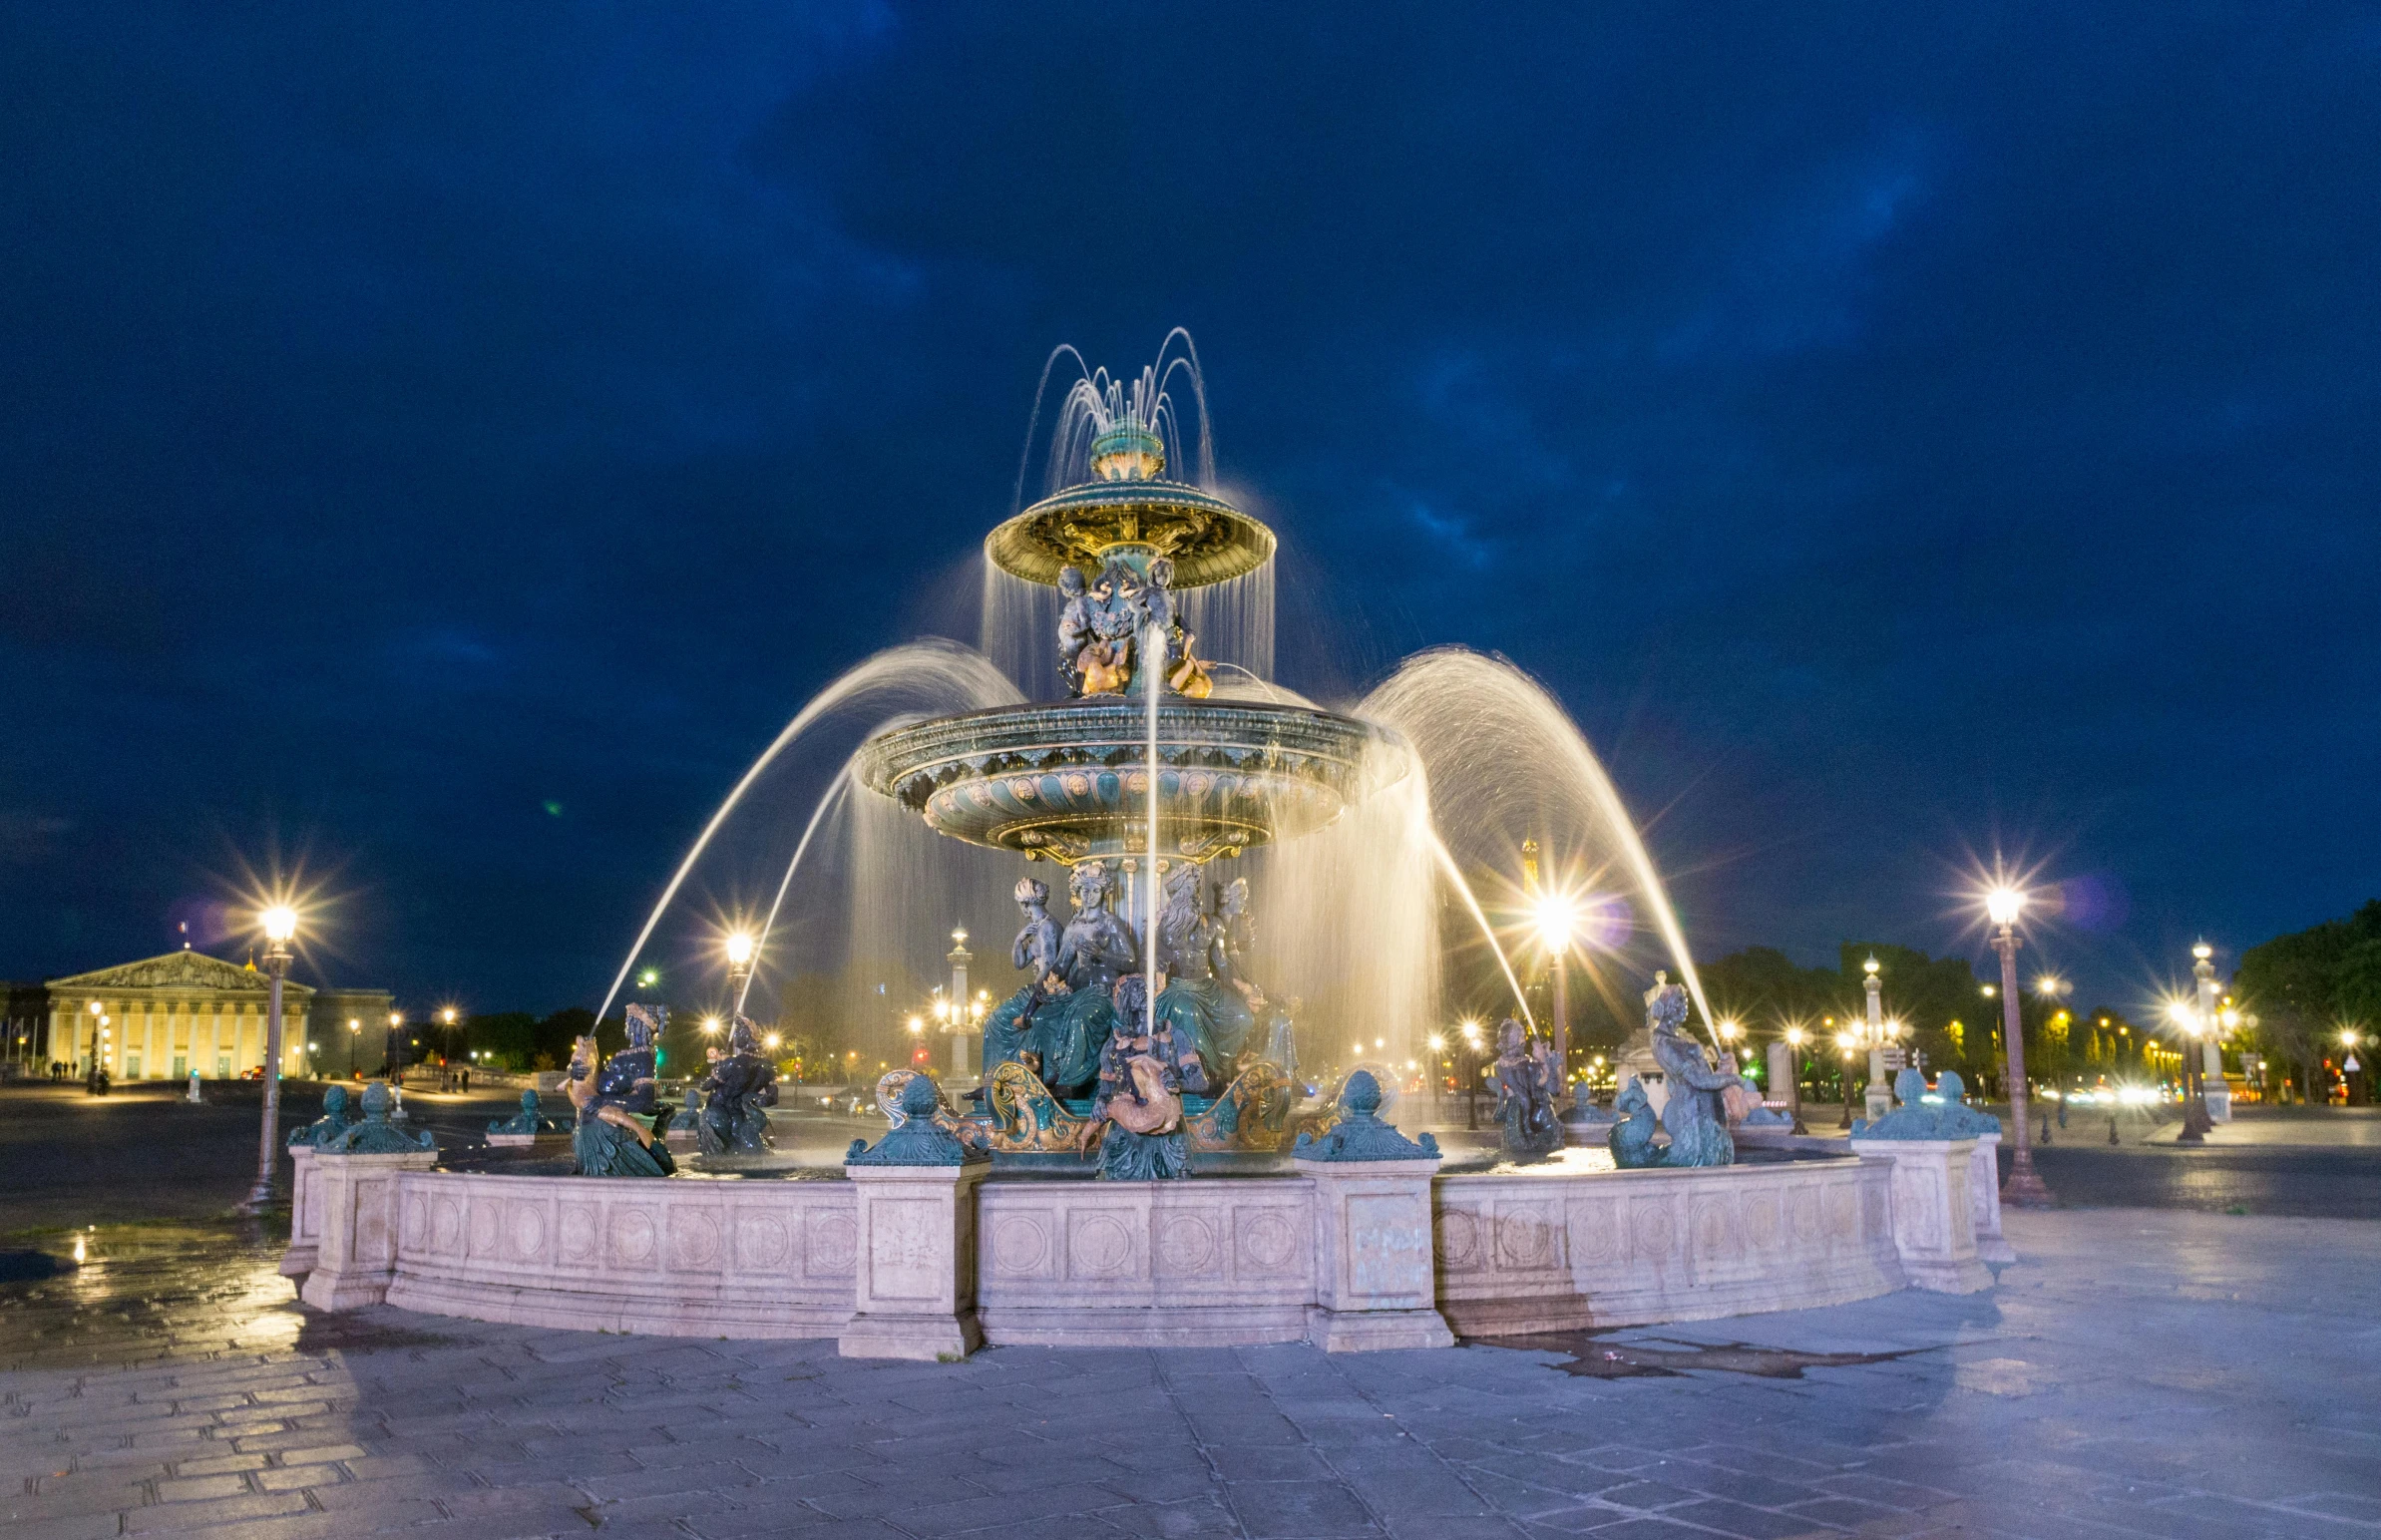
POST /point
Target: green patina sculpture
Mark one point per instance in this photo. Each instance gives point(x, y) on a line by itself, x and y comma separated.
point(1632, 1138)
point(375, 1135)
point(335, 1120)
point(917, 1139)
point(1360, 1134)
point(531, 1119)
point(1924, 1114)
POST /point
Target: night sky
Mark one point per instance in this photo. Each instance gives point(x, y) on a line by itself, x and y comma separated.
point(439, 447)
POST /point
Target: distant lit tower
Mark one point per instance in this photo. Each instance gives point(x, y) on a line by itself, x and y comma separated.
point(1880, 1095)
point(965, 1021)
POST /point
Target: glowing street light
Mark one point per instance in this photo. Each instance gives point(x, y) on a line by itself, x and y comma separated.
point(2213, 1099)
point(2024, 1188)
point(741, 948)
point(279, 924)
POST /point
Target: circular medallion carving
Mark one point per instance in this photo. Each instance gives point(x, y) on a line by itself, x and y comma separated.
point(1760, 1224)
point(1844, 1214)
point(1459, 1238)
point(1186, 1244)
point(1522, 1239)
point(696, 1235)
point(762, 1241)
point(834, 1243)
point(1711, 1230)
point(446, 1227)
point(1019, 1245)
point(483, 1229)
point(529, 1231)
point(1655, 1235)
point(1595, 1237)
point(578, 1233)
point(1806, 1214)
point(1100, 1245)
point(1268, 1240)
point(1023, 788)
point(632, 1236)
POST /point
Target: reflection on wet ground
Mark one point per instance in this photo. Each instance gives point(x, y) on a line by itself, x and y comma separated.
point(1595, 1355)
point(115, 1295)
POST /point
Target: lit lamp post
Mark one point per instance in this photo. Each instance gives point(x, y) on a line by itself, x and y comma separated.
point(961, 1018)
point(91, 1065)
point(2349, 1038)
point(2216, 1099)
point(2023, 1189)
point(354, 1026)
point(1792, 1074)
point(1471, 1080)
point(280, 926)
point(1557, 917)
point(1438, 1073)
point(742, 950)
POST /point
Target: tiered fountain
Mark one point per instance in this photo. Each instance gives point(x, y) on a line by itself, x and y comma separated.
point(1160, 762)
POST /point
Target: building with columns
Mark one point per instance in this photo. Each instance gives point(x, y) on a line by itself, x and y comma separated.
point(162, 1017)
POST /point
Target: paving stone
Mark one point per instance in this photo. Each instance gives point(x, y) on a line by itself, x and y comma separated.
point(1300, 1508)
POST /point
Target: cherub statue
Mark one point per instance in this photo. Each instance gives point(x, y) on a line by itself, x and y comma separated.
point(736, 1091)
point(1008, 1027)
point(1137, 1122)
point(1105, 664)
point(1524, 1083)
point(610, 1138)
point(1693, 1115)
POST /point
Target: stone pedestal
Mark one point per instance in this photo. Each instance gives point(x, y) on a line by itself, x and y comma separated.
point(1984, 1199)
point(1376, 1280)
point(915, 1294)
point(1933, 1216)
point(357, 1200)
point(305, 1214)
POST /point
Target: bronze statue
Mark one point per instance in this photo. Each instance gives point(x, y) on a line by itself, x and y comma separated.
point(1525, 1090)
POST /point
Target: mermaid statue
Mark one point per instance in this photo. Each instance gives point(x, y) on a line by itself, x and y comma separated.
point(1137, 1126)
point(1694, 1115)
point(1094, 951)
point(1205, 1011)
point(610, 1138)
point(1524, 1083)
point(1009, 1029)
point(736, 1091)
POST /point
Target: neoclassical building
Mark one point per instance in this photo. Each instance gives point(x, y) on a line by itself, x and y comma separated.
point(162, 1017)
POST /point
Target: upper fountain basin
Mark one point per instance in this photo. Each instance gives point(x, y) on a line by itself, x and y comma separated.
point(1206, 538)
point(1070, 779)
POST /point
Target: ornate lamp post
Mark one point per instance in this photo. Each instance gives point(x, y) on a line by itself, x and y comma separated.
point(392, 1054)
point(2023, 1189)
point(354, 1026)
point(1471, 1079)
point(741, 952)
point(1557, 918)
point(2216, 1099)
point(1792, 1077)
point(280, 927)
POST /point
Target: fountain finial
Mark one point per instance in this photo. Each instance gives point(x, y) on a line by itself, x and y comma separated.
point(1127, 451)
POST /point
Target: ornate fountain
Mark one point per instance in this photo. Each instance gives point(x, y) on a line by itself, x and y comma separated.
point(1072, 781)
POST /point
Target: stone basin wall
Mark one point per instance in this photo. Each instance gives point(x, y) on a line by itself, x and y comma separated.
point(1380, 1255)
point(672, 1258)
point(1526, 1253)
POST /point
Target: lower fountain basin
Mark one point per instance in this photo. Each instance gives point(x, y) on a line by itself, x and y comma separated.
point(1070, 780)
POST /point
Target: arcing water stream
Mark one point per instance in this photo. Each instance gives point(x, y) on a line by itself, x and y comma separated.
point(1475, 757)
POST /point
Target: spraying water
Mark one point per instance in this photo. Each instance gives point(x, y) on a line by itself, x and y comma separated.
point(834, 796)
point(1524, 767)
point(932, 673)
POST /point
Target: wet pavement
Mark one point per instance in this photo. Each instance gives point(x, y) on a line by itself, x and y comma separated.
point(2134, 1374)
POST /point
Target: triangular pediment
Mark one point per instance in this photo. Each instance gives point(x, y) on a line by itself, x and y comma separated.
point(176, 970)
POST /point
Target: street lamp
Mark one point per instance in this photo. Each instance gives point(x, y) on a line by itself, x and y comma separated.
point(742, 950)
point(1469, 1026)
point(1795, 1038)
point(280, 927)
point(1880, 1095)
point(2023, 1189)
point(2216, 1099)
point(354, 1026)
point(1555, 916)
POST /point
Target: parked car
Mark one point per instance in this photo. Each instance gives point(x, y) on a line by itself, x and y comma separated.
point(258, 1073)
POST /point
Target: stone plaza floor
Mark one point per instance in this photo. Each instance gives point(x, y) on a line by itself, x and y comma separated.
point(2136, 1372)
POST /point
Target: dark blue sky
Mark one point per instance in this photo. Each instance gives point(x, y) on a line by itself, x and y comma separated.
point(1892, 429)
